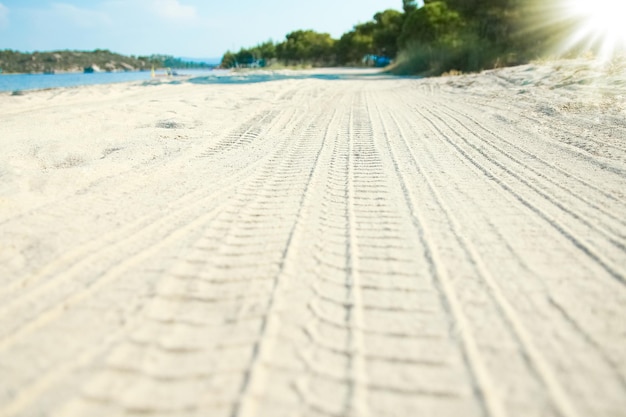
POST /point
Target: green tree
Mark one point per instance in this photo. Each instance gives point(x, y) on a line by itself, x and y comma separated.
point(478, 7)
point(494, 20)
point(376, 37)
point(306, 46)
point(229, 60)
point(265, 50)
point(408, 6)
point(387, 29)
point(244, 57)
point(433, 22)
point(353, 46)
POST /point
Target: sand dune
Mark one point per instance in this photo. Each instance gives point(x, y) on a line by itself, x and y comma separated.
point(317, 246)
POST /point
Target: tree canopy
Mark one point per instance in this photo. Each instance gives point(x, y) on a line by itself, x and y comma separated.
point(306, 46)
point(378, 36)
point(431, 36)
point(433, 22)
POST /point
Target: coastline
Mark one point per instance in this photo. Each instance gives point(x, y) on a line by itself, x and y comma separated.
point(33, 82)
point(76, 71)
point(199, 76)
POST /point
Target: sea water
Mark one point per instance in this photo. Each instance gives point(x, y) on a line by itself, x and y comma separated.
point(19, 82)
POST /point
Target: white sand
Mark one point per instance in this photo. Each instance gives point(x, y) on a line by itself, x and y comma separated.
point(360, 247)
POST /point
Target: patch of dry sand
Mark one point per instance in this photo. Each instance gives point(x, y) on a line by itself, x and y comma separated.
point(362, 246)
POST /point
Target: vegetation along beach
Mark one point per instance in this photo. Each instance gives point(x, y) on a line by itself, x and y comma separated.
point(411, 209)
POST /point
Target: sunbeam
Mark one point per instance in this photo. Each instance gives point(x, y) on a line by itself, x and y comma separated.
point(585, 26)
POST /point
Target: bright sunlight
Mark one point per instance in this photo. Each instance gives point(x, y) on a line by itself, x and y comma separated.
point(600, 25)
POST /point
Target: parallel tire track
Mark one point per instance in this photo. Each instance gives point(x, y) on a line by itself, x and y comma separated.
point(585, 247)
point(348, 248)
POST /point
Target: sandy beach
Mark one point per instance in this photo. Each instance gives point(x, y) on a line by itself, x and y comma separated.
point(345, 245)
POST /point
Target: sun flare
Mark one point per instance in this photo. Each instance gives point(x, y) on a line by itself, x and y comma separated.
point(600, 25)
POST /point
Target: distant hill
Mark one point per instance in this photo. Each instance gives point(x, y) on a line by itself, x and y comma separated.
point(78, 61)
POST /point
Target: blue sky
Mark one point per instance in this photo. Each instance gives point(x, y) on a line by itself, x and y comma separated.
point(189, 28)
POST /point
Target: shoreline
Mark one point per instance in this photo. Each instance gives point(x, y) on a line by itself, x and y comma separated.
point(217, 76)
point(47, 81)
point(68, 72)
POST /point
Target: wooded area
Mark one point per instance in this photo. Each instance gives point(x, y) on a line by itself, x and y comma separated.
point(77, 61)
point(438, 36)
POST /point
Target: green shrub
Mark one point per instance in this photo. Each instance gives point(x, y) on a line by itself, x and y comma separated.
point(467, 53)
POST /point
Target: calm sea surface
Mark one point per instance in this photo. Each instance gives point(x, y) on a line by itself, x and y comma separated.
point(19, 82)
point(15, 82)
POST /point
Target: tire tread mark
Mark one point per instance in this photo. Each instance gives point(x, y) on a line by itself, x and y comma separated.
point(536, 172)
point(255, 380)
point(357, 405)
point(471, 354)
point(557, 392)
point(563, 230)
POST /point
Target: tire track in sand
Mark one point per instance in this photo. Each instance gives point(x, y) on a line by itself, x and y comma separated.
point(538, 362)
point(545, 366)
point(224, 188)
point(588, 249)
point(208, 263)
point(613, 228)
point(127, 239)
point(341, 252)
point(473, 359)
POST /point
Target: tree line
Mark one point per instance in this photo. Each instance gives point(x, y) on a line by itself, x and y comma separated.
point(377, 37)
point(76, 61)
point(429, 38)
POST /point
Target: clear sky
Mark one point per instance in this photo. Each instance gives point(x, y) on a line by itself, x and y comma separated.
point(187, 28)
